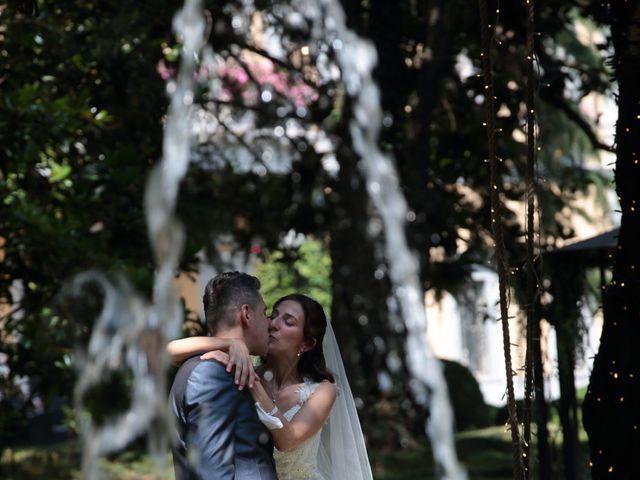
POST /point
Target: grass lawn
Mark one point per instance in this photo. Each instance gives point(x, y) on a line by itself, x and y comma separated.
point(63, 461)
point(486, 453)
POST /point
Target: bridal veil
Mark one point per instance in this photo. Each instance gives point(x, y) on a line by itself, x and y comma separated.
point(342, 453)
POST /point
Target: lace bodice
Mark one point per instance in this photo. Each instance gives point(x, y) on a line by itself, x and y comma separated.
point(300, 463)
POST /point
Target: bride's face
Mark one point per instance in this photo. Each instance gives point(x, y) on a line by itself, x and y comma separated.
point(286, 331)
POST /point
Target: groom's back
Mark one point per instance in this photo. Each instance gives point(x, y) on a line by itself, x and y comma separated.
point(219, 435)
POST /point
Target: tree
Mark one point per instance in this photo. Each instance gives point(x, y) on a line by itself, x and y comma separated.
point(611, 418)
point(81, 124)
point(307, 270)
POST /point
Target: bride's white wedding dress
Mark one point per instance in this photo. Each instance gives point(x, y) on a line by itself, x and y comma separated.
point(301, 462)
point(337, 451)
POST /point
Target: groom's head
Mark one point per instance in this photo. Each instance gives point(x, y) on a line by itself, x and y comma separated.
point(232, 300)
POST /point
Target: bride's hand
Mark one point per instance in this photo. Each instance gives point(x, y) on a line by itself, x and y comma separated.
point(240, 359)
point(237, 360)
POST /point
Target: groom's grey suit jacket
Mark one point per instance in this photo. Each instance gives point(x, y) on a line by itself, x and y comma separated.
point(219, 434)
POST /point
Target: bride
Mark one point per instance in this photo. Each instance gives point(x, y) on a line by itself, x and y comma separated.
point(301, 392)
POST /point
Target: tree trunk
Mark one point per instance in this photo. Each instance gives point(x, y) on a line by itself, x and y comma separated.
point(428, 23)
point(611, 412)
point(359, 300)
point(567, 275)
point(372, 343)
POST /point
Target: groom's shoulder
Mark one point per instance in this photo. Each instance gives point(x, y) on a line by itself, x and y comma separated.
point(209, 381)
point(195, 370)
point(205, 371)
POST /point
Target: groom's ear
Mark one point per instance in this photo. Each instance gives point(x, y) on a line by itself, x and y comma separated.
point(245, 315)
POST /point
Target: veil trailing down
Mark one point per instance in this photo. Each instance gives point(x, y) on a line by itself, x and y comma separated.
point(342, 453)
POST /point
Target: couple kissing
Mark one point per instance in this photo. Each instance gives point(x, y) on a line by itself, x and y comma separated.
point(230, 415)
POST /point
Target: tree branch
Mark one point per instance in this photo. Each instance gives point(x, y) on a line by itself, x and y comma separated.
point(576, 118)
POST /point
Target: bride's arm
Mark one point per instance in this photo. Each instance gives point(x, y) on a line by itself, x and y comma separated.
point(184, 348)
point(238, 358)
point(309, 419)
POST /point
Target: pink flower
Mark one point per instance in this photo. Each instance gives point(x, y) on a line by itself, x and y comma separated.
point(165, 72)
point(264, 72)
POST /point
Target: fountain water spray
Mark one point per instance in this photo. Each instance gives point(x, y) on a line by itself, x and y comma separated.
point(129, 336)
point(357, 59)
point(324, 22)
point(130, 332)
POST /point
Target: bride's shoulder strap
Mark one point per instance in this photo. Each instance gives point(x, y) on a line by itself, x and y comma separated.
point(306, 389)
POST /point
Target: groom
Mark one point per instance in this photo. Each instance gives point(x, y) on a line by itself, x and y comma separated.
point(219, 435)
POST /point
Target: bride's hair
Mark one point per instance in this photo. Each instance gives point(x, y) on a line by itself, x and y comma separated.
point(312, 363)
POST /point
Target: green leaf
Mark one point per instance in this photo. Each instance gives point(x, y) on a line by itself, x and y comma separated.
point(59, 172)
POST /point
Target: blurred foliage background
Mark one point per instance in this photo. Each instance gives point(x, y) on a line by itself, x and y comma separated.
point(83, 98)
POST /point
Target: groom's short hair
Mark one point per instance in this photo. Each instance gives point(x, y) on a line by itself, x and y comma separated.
point(224, 294)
